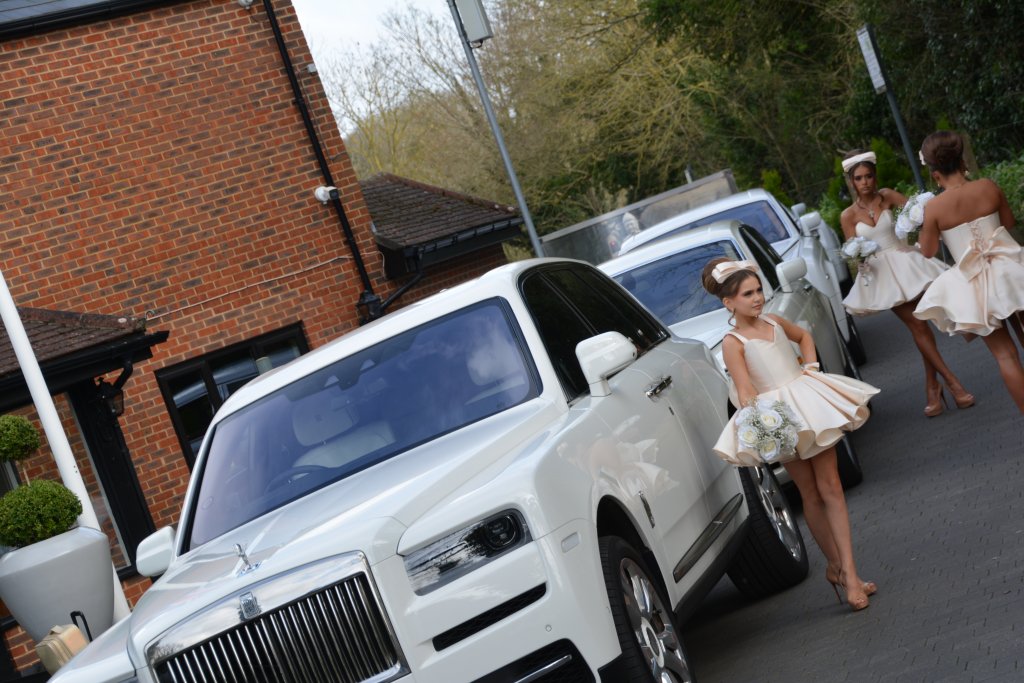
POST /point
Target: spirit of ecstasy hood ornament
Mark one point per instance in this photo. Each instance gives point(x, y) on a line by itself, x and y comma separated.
point(247, 565)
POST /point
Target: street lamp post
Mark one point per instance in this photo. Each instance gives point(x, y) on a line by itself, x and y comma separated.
point(880, 80)
point(473, 30)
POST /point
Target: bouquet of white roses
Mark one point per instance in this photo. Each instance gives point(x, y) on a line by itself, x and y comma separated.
point(911, 216)
point(857, 250)
point(767, 428)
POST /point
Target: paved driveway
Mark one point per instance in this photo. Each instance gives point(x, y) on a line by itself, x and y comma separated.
point(938, 523)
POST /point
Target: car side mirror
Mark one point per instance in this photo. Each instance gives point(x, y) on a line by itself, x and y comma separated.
point(154, 554)
point(601, 357)
point(798, 209)
point(790, 271)
point(810, 222)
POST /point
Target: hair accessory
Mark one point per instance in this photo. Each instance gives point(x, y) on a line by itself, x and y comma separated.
point(723, 270)
point(920, 155)
point(856, 159)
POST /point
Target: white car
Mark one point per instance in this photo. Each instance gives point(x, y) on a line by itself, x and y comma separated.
point(509, 481)
point(806, 238)
point(665, 276)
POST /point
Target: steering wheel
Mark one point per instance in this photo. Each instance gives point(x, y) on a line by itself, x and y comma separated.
point(292, 474)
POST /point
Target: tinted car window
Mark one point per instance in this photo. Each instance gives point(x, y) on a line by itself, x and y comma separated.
point(606, 308)
point(671, 287)
point(767, 258)
point(359, 411)
point(560, 328)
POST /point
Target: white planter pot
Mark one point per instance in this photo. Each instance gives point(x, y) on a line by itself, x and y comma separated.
point(42, 583)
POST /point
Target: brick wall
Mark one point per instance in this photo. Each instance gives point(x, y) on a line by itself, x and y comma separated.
point(451, 273)
point(156, 165)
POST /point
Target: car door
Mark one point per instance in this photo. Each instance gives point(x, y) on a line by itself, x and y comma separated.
point(654, 456)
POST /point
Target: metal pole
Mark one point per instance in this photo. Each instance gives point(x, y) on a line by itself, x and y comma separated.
point(907, 149)
point(523, 209)
point(55, 435)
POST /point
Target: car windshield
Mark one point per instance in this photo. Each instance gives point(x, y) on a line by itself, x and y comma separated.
point(758, 215)
point(671, 287)
point(360, 411)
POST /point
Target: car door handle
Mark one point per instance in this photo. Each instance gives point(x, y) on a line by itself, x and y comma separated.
point(659, 386)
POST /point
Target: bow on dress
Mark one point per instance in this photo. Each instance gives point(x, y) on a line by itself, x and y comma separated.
point(982, 250)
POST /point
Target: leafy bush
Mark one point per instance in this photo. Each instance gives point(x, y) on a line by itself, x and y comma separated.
point(37, 511)
point(18, 438)
point(1009, 176)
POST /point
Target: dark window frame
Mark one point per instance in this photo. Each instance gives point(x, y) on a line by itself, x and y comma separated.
point(202, 364)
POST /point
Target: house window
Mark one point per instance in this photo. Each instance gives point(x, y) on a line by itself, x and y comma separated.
point(195, 389)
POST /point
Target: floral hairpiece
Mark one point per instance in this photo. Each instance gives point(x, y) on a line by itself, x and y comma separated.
point(722, 271)
point(920, 155)
point(854, 160)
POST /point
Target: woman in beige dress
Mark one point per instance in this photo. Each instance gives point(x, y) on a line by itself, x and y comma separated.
point(987, 285)
point(896, 276)
point(763, 366)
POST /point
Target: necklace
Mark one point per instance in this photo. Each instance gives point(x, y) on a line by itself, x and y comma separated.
point(871, 212)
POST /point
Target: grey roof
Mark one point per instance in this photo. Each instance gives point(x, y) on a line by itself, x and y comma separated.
point(407, 212)
point(25, 17)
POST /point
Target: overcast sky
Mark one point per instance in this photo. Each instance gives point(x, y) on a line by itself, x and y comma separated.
point(342, 22)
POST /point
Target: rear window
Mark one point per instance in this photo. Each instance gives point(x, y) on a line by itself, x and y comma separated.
point(671, 287)
point(360, 411)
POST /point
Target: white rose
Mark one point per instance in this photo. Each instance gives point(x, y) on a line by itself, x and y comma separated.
point(851, 248)
point(747, 437)
point(744, 415)
point(769, 449)
point(770, 419)
point(917, 214)
point(868, 248)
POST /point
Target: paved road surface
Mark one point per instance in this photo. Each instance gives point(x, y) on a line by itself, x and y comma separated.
point(938, 523)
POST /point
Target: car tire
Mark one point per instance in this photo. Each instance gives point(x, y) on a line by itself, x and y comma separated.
point(652, 647)
point(773, 556)
point(850, 472)
point(855, 344)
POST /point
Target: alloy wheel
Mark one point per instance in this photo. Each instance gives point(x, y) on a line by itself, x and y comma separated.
point(777, 509)
point(652, 626)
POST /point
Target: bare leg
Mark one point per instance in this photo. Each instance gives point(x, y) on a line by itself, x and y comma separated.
point(802, 474)
point(1005, 351)
point(924, 338)
point(1017, 324)
point(827, 518)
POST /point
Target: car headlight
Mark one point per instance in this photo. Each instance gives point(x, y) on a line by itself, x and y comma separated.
point(470, 548)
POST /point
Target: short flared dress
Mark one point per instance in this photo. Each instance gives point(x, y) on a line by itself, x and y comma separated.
point(984, 288)
point(826, 405)
point(897, 273)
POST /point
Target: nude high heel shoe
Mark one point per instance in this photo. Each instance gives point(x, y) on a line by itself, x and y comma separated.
point(961, 397)
point(936, 401)
point(832, 576)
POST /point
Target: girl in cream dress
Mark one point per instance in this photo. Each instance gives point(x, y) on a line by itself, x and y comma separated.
point(895, 276)
point(986, 287)
point(763, 365)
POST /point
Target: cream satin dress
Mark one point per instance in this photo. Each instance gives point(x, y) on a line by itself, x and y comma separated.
point(987, 284)
point(897, 273)
point(826, 405)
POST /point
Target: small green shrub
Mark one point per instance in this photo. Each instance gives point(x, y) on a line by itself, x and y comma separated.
point(18, 438)
point(37, 511)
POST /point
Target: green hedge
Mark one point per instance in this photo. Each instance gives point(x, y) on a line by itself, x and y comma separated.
point(18, 438)
point(37, 511)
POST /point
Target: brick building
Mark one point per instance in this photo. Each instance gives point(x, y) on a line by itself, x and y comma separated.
point(158, 163)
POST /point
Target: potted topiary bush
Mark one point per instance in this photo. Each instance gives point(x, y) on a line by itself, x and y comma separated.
point(52, 567)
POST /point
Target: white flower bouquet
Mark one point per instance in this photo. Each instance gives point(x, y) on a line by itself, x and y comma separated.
point(767, 428)
point(857, 250)
point(911, 216)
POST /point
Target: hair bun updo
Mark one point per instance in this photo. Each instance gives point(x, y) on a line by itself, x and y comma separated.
point(943, 151)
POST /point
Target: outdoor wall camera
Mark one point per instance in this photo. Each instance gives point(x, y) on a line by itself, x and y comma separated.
point(323, 193)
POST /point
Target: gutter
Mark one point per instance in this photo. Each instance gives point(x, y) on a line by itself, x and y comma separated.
point(367, 299)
